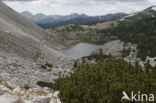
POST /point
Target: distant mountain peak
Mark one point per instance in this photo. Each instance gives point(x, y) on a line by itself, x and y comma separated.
point(26, 12)
point(74, 14)
point(40, 14)
point(77, 14)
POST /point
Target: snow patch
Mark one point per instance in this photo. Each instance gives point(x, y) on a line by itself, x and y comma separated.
point(154, 8)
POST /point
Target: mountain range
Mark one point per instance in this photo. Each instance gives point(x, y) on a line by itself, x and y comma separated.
point(49, 21)
point(137, 28)
point(31, 58)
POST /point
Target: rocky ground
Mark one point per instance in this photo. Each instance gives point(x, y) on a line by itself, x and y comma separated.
point(26, 58)
point(115, 48)
point(20, 95)
point(17, 74)
point(21, 72)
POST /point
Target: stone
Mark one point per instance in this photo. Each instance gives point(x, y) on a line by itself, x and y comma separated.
point(42, 100)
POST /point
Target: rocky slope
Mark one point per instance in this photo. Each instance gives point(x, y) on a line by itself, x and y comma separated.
point(26, 35)
point(26, 58)
point(21, 95)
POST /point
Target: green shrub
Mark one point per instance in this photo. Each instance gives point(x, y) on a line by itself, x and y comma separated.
point(104, 82)
point(44, 84)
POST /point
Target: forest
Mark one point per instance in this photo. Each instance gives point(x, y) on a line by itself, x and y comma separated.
point(106, 79)
point(140, 30)
point(104, 82)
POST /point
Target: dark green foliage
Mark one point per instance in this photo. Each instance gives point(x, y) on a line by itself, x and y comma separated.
point(104, 82)
point(97, 57)
point(26, 86)
point(43, 67)
point(75, 64)
point(47, 66)
point(44, 84)
point(55, 86)
point(140, 30)
point(126, 52)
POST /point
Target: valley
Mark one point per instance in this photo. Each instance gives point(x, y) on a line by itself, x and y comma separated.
point(79, 60)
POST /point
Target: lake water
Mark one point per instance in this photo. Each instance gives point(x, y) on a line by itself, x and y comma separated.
point(80, 50)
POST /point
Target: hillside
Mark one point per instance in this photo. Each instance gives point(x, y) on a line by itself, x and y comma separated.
point(25, 32)
point(31, 64)
point(137, 28)
point(25, 53)
point(71, 34)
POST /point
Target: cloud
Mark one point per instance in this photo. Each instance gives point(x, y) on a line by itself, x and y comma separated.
point(121, 0)
point(77, 2)
point(94, 3)
point(83, 6)
point(18, 0)
point(86, 2)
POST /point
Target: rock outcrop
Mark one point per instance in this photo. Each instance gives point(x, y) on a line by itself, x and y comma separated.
point(115, 48)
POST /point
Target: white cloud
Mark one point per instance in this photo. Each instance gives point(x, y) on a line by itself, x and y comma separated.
point(78, 2)
point(105, 6)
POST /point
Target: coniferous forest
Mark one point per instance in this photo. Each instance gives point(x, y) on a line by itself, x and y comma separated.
point(138, 29)
point(104, 82)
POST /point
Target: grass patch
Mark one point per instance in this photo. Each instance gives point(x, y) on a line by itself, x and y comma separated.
point(3, 91)
point(41, 93)
point(4, 83)
point(19, 101)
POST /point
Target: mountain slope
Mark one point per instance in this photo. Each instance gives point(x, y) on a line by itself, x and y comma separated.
point(27, 14)
point(26, 34)
point(140, 29)
point(26, 57)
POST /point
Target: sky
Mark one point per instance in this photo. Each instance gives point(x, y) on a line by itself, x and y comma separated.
point(89, 7)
